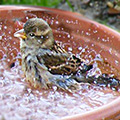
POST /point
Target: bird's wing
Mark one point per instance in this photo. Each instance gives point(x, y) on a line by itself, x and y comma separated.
point(58, 63)
point(69, 66)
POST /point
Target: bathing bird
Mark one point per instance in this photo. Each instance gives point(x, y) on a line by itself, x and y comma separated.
point(45, 63)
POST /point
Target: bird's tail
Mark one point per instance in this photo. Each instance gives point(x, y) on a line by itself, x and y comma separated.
point(104, 80)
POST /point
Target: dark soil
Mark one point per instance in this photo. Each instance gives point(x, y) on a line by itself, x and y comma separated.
point(104, 11)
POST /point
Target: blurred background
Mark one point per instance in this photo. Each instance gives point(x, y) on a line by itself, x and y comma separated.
point(104, 11)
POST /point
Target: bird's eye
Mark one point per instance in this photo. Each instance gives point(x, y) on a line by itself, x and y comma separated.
point(32, 34)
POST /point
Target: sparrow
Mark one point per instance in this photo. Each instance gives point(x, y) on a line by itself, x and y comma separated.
point(45, 63)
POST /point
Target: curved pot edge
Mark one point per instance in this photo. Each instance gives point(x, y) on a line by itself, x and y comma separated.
point(98, 111)
point(27, 7)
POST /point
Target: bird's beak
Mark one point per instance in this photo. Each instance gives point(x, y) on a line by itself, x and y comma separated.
point(20, 34)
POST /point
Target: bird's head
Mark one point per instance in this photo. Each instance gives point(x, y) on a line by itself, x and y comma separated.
point(36, 33)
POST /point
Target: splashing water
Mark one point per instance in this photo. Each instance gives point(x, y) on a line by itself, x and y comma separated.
point(18, 101)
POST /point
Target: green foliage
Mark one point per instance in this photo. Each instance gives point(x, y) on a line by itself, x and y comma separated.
point(70, 5)
point(47, 3)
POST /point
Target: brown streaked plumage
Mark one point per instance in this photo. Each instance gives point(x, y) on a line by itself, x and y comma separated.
point(44, 62)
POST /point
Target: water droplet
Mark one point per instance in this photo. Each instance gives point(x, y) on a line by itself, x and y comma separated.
point(68, 35)
point(83, 50)
point(54, 88)
point(47, 37)
point(80, 48)
point(112, 36)
point(107, 38)
point(106, 59)
point(116, 62)
point(63, 36)
point(0, 37)
point(27, 18)
point(92, 45)
point(76, 21)
point(62, 28)
point(90, 56)
point(98, 57)
point(82, 32)
point(10, 37)
point(87, 61)
point(89, 29)
point(59, 35)
point(52, 22)
point(72, 37)
point(67, 21)
point(104, 40)
point(87, 33)
point(69, 48)
point(95, 31)
point(77, 31)
point(8, 60)
point(42, 37)
point(97, 25)
point(5, 27)
point(98, 38)
point(39, 41)
point(110, 50)
point(52, 18)
point(57, 22)
point(91, 4)
point(9, 32)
